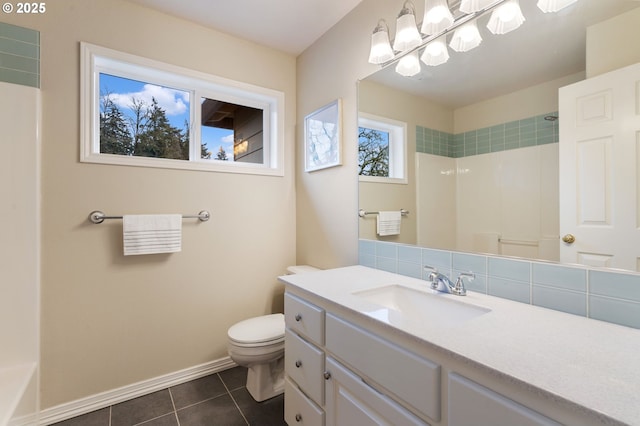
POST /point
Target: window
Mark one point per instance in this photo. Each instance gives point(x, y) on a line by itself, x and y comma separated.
point(140, 112)
point(381, 149)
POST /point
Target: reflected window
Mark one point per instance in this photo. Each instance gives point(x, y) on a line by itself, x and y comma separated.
point(381, 149)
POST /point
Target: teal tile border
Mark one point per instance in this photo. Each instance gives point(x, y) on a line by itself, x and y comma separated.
point(531, 131)
point(610, 296)
point(19, 55)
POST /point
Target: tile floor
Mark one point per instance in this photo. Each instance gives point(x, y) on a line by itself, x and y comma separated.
point(218, 399)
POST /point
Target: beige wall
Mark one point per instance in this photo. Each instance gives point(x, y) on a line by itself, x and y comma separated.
point(531, 101)
point(608, 42)
point(327, 200)
point(110, 321)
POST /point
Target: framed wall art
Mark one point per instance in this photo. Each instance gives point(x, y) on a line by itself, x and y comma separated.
point(322, 137)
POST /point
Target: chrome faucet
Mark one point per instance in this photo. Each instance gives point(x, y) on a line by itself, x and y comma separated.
point(442, 283)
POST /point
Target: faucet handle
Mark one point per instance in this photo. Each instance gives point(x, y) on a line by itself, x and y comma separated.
point(459, 288)
point(433, 272)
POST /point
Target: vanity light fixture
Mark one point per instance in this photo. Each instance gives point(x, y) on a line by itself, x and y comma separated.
point(407, 34)
point(466, 37)
point(409, 65)
point(473, 6)
point(437, 17)
point(436, 52)
point(548, 6)
point(381, 51)
point(506, 18)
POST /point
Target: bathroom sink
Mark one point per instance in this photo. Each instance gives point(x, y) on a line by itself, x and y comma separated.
point(416, 305)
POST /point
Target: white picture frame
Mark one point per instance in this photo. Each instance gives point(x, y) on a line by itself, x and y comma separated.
point(323, 137)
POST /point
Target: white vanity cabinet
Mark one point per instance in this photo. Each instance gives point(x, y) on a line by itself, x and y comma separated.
point(514, 364)
point(323, 387)
point(409, 378)
point(303, 362)
point(473, 404)
point(351, 401)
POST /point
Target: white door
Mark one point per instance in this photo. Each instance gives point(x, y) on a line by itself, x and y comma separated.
point(599, 139)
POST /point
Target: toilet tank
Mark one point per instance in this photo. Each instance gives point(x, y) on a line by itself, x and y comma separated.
point(300, 269)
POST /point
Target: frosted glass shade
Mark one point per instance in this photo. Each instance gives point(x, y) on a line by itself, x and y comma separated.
point(437, 17)
point(408, 65)
point(506, 18)
point(435, 53)
point(407, 34)
point(380, 45)
point(466, 37)
point(471, 6)
point(554, 5)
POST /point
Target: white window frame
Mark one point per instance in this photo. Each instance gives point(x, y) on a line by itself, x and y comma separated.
point(397, 147)
point(96, 59)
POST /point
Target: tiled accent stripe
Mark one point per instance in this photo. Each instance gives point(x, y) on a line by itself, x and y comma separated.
point(593, 293)
point(19, 55)
point(527, 132)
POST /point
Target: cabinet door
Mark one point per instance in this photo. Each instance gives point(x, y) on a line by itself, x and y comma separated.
point(350, 401)
point(304, 318)
point(408, 377)
point(304, 363)
point(298, 409)
point(471, 404)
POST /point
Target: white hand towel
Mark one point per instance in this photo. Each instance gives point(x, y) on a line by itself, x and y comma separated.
point(151, 234)
point(389, 223)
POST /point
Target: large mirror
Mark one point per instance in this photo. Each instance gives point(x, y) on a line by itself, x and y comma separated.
point(482, 136)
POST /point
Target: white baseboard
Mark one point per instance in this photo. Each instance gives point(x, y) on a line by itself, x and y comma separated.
point(105, 399)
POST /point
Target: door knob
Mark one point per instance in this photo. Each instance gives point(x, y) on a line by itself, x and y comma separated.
point(569, 239)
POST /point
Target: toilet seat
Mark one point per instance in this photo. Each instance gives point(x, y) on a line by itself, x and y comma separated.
point(259, 331)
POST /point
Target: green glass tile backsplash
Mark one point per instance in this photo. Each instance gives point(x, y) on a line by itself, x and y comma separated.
point(530, 131)
point(19, 55)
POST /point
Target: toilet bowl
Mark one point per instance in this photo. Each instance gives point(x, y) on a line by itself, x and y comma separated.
point(258, 344)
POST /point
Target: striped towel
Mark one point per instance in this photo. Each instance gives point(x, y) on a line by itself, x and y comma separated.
point(388, 223)
point(150, 234)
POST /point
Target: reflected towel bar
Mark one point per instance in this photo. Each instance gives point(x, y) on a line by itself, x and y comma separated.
point(363, 213)
point(97, 216)
point(519, 242)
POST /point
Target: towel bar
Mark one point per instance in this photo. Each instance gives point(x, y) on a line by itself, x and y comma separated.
point(97, 216)
point(363, 213)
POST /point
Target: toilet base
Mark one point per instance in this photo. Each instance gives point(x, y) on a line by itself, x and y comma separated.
point(265, 381)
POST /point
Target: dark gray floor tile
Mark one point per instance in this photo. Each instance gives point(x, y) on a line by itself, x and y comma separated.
point(141, 409)
point(234, 378)
point(217, 411)
point(265, 413)
point(95, 418)
point(197, 391)
point(168, 420)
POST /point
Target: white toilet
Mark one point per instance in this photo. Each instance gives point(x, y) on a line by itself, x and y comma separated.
point(258, 344)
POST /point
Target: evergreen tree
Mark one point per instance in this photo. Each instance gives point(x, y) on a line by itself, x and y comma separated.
point(115, 137)
point(159, 138)
point(222, 154)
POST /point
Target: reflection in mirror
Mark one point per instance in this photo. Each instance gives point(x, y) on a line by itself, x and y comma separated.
point(482, 152)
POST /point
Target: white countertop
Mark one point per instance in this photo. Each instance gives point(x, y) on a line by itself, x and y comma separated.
point(589, 363)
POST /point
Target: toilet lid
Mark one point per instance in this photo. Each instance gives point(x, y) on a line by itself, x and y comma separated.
point(259, 329)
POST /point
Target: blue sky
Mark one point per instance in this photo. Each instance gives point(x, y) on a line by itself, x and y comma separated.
point(174, 102)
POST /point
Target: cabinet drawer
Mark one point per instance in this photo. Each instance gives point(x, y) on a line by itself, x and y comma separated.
point(350, 401)
point(304, 318)
point(304, 363)
point(298, 409)
point(473, 404)
point(409, 377)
